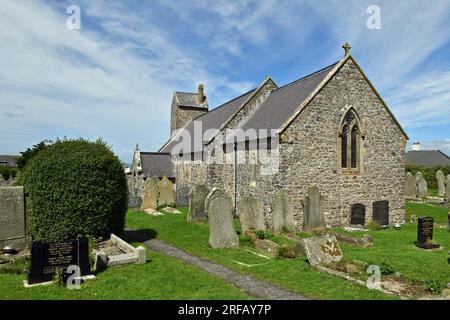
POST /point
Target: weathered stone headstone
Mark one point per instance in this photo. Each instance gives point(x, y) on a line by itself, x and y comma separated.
point(411, 188)
point(322, 250)
point(182, 195)
point(447, 190)
point(422, 187)
point(220, 218)
point(440, 177)
point(13, 221)
point(282, 212)
point(250, 214)
point(134, 199)
point(425, 233)
point(46, 258)
point(166, 193)
point(150, 197)
point(358, 214)
point(197, 199)
point(380, 212)
point(314, 209)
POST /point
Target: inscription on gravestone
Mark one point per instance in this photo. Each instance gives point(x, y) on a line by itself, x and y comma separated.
point(46, 258)
point(425, 233)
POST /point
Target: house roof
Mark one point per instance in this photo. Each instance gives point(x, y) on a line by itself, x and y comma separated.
point(157, 164)
point(429, 158)
point(280, 108)
point(190, 100)
point(283, 102)
point(8, 160)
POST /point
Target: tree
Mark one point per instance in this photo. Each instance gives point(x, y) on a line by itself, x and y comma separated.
point(28, 154)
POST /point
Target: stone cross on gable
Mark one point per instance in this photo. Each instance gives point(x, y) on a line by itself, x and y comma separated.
point(347, 48)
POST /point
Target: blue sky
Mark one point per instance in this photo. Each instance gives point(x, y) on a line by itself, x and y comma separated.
point(115, 77)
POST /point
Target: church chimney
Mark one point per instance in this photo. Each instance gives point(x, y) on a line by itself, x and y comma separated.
point(201, 95)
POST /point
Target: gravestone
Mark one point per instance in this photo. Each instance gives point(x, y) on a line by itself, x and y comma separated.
point(197, 200)
point(425, 233)
point(447, 190)
point(47, 258)
point(411, 187)
point(358, 214)
point(282, 212)
point(422, 188)
point(150, 197)
point(220, 219)
point(166, 194)
point(322, 250)
point(13, 221)
point(182, 195)
point(250, 215)
point(314, 209)
point(440, 177)
point(381, 212)
point(134, 199)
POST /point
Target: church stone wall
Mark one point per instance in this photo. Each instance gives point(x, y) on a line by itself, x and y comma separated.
point(310, 154)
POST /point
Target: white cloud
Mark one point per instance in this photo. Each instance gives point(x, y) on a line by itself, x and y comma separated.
point(88, 83)
point(115, 77)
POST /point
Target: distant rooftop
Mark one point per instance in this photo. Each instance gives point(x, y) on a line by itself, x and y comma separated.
point(429, 158)
point(8, 160)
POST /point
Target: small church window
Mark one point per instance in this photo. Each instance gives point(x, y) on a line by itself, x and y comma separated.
point(354, 146)
point(349, 142)
point(344, 146)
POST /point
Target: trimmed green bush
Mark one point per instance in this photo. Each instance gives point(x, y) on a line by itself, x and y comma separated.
point(75, 187)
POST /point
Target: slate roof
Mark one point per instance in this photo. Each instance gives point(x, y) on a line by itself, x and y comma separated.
point(429, 158)
point(9, 161)
point(271, 114)
point(275, 113)
point(187, 99)
point(284, 101)
point(158, 164)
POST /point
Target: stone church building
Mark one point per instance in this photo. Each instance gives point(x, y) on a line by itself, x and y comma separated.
point(329, 131)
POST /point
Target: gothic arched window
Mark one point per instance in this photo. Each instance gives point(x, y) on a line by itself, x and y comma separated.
point(350, 142)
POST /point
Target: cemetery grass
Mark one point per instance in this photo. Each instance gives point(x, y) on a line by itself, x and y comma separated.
point(161, 277)
point(295, 274)
point(397, 249)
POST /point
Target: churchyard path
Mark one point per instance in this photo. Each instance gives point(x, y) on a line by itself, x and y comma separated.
point(249, 284)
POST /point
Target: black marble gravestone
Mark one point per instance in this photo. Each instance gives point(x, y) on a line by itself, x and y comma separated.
point(358, 214)
point(425, 233)
point(381, 212)
point(47, 258)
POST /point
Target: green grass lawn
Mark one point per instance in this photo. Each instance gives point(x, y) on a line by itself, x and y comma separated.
point(295, 274)
point(440, 215)
point(161, 277)
point(397, 248)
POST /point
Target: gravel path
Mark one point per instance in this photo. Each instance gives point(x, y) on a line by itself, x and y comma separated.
point(251, 285)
